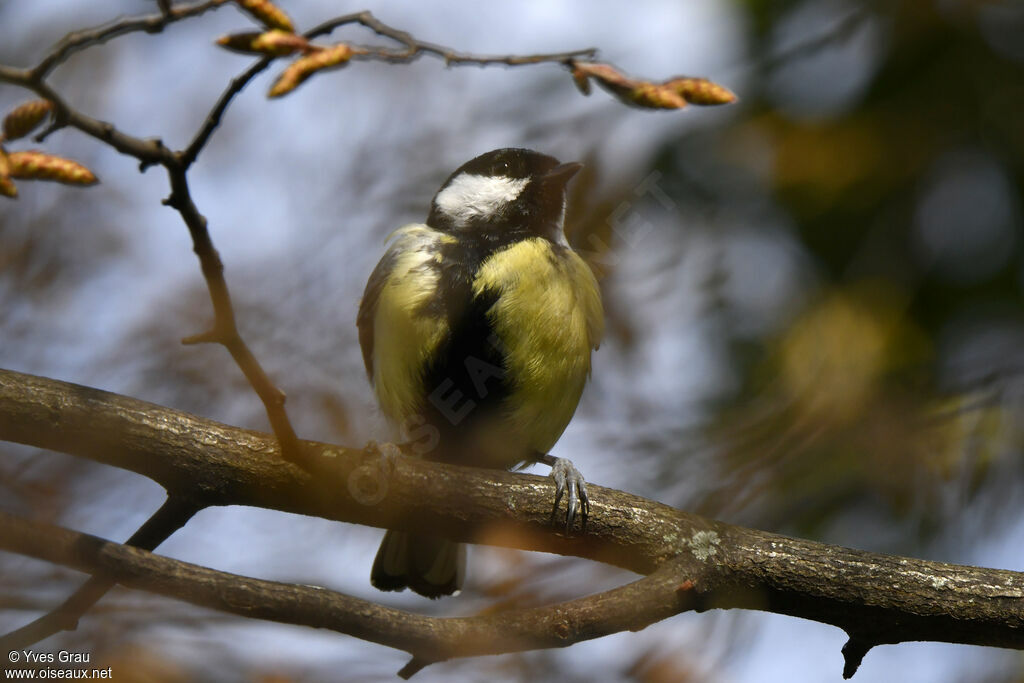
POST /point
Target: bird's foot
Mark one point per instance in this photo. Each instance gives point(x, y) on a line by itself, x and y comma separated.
point(387, 451)
point(568, 482)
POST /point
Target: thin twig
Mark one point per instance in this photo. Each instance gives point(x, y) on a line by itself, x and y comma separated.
point(225, 329)
point(414, 48)
point(840, 31)
point(189, 155)
point(81, 40)
point(150, 152)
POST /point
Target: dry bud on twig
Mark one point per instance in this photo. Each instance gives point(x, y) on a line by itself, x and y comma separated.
point(276, 43)
point(25, 118)
point(268, 13)
point(7, 186)
point(650, 96)
point(700, 91)
point(304, 67)
point(35, 165)
point(672, 94)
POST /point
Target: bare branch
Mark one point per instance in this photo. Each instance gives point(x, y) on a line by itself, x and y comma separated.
point(189, 155)
point(414, 47)
point(429, 639)
point(148, 152)
point(839, 32)
point(225, 329)
point(164, 6)
point(413, 50)
point(213, 119)
point(875, 598)
point(154, 23)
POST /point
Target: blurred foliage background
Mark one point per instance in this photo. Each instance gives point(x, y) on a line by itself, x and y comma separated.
point(815, 302)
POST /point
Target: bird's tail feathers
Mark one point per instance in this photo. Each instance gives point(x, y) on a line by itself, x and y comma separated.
point(430, 566)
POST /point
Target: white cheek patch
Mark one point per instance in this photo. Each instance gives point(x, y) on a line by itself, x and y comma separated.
point(470, 196)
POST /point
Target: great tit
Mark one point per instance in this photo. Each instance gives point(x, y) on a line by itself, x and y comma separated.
point(479, 325)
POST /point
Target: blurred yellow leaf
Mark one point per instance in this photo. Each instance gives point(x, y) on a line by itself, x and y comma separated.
point(834, 357)
point(965, 425)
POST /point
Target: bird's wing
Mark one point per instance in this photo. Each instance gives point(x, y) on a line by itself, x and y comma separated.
point(396, 331)
point(589, 297)
point(368, 306)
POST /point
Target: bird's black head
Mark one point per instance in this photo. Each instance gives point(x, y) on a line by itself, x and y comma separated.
point(504, 194)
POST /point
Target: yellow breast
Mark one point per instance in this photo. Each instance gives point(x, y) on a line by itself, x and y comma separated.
point(548, 317)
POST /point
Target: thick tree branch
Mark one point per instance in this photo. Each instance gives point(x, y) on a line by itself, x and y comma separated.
point(875, 598)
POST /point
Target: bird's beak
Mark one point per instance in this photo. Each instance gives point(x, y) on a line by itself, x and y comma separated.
point(562, 174)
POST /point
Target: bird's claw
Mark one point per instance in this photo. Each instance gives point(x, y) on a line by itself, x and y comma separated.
point(568, 480)
point(388, 453)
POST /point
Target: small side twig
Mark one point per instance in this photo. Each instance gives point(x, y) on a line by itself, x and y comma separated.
point(839, 32)
point(164, 6)
point(225, 328)
point(171, 516)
